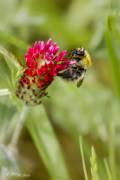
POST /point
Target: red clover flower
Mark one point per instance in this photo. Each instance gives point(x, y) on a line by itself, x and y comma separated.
point(43, 63)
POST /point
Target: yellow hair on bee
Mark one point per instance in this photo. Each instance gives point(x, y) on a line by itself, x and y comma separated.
point(87, 60)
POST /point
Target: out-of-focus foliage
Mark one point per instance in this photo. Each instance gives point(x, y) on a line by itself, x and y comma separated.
point(86, 110)
point(91, 111)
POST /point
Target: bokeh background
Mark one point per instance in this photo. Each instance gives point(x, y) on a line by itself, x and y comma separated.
point(52, 131)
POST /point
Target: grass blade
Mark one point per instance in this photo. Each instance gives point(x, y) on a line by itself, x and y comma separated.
point(107, 170)
point(83, 159)
point(115, 65)
point(9, 68)
point(94, 167)
point(13, 40)
point(10, 58)
point(46, 143)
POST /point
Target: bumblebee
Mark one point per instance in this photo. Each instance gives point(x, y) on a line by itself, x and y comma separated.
point(77, 71)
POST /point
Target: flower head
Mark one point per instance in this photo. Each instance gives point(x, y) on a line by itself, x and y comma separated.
point(43, 63)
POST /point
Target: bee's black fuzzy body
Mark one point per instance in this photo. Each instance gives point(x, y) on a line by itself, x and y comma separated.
point(72, 73)
point(76, 72)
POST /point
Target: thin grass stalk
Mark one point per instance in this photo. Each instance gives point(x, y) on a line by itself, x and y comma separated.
point(109, 175)
point(112, 150)
point(83, 159)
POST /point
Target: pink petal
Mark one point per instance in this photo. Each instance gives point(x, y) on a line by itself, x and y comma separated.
point(61, 55)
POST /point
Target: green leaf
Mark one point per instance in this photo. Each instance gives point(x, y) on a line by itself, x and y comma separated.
point(10, 67)
point(13, 40)
point(5, 76)
point(45, 140)
point(10, 58)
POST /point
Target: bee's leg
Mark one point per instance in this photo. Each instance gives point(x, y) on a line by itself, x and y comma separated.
point(81, 78)
point(79, 83)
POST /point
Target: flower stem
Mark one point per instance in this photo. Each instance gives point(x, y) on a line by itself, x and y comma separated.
point(10, 150)
point(18, 129)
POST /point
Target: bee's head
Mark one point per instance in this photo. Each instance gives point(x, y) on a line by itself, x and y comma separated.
point(78, 53)
point(82, 57)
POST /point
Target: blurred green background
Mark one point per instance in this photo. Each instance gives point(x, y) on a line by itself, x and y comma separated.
point(48, 147)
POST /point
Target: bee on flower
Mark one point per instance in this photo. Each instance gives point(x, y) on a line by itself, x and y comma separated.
point(76, 71)
point(43, 64)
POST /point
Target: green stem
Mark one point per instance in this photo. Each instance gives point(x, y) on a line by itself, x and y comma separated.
point(11, 150)
point(18, 129)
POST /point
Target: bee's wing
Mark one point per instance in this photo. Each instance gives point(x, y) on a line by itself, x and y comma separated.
point(80, 80)
point(66, 74)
